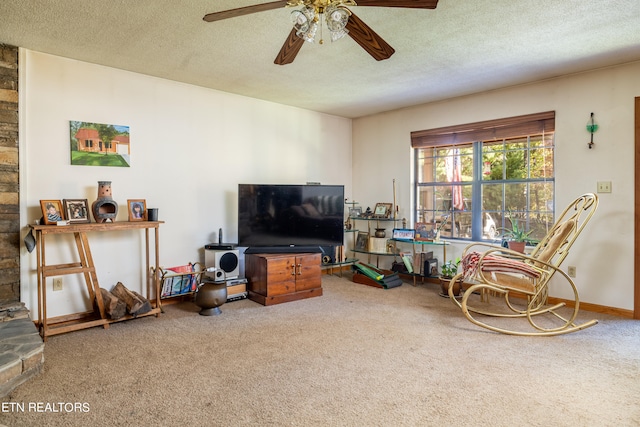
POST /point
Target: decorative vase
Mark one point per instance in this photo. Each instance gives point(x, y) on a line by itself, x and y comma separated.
point(104, 208)
point(210, 296)
point(516, 246)
point(380, 232)
point(444, 287)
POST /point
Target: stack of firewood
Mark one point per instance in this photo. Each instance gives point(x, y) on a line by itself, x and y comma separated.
point(121, 301)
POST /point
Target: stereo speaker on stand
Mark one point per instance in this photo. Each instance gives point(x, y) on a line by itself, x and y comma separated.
point(227, 261)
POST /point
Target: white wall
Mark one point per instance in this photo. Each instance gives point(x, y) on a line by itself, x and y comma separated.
point(604, 253)
point(190, 148)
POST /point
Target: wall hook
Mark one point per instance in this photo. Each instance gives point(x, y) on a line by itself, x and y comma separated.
point(592, 127)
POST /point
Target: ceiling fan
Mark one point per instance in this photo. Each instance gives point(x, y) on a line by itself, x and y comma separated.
point(338, 18)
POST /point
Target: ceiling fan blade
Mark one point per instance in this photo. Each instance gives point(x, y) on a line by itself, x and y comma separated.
point(368, 39)
point(290, 49)
point(414, 4)
point(232, 13)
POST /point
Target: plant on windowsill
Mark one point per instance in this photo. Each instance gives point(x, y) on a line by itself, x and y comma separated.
point(448, 270)
point(515, 236)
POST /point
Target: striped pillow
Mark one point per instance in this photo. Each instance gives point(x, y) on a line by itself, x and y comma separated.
point(497, 264)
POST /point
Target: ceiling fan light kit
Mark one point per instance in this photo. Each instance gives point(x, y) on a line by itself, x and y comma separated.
point(340, 21)
point(305, 24)
point(307, 20)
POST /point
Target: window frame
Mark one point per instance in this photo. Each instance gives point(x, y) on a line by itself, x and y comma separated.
point(476, 135)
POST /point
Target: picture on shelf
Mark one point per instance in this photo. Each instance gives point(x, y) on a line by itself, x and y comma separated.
point(51, 211)
point(424, 231)
point(362, 241)
point(77, 210)
point(419, 259)
point(355, 212)
point(431, 267)
point(382, 210)
point(137, 209)
point(404, 233)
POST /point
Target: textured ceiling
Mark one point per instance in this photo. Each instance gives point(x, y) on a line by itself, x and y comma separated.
point(461, 47)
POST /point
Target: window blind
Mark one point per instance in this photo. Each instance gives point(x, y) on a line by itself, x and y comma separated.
point(510, 127)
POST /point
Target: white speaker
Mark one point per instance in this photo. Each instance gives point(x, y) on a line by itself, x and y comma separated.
point(226, 260)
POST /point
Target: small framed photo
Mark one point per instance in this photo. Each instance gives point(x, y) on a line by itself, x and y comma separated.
point(382, 210)
point(362, 241)
point(51, 211)
point(137, 209)
point(76, 210)
point(424, 231)
point(355, 212)
point(404, 233)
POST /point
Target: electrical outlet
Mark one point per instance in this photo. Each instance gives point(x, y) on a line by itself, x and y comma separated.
point(604, 186)
point(571, 271)
point(57, 283)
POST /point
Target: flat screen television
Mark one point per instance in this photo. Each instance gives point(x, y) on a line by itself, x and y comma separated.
point(290, 218)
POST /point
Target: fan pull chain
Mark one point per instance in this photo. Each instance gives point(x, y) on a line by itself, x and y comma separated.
point(321, 41)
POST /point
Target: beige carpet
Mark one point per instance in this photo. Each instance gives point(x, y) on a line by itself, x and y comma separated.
point(357, 356)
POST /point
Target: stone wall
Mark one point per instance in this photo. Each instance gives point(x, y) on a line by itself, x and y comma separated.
point(21, 348)
point(9, 177)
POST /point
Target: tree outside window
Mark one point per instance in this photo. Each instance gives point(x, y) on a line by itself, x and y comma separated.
point(471, 190)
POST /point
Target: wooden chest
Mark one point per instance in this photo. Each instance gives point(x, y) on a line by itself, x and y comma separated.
point(278, 278)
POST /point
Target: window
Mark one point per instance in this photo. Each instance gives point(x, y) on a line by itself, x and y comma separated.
point(473, 180)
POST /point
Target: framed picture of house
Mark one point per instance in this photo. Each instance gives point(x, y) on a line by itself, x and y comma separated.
point(99, 144)
point(51, 211)
point(137, 209)
point(76, 210)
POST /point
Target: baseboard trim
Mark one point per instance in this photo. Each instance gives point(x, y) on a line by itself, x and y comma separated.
point(595, 308)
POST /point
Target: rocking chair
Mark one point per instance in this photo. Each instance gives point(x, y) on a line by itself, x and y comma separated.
point(497, 270)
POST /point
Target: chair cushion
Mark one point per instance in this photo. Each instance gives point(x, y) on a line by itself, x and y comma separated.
point(514, 281)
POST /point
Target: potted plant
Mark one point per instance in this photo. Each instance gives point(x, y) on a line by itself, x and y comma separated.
point(448, 270)
point(515, 236)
